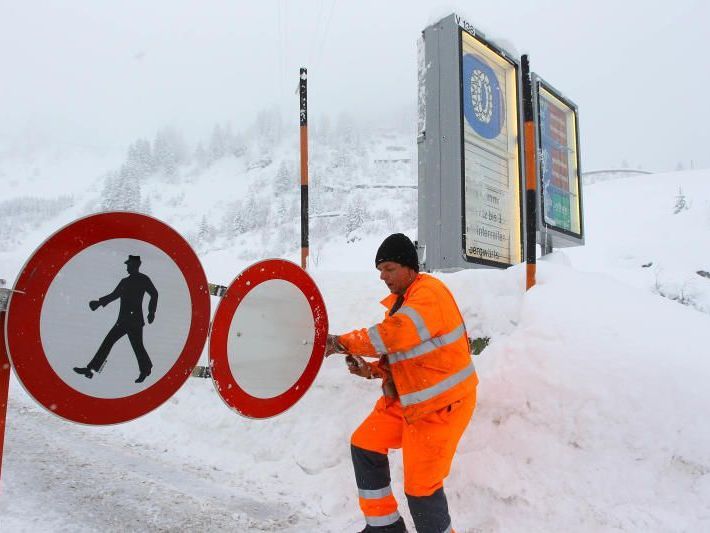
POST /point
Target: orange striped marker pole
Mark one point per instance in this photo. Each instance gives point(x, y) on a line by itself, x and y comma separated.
point(304, 168)
point(530, 177)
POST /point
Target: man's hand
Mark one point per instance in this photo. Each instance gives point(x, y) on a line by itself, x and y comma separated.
point(358, 366)
point(151, 317)
point(94, 304)
point(333, 346)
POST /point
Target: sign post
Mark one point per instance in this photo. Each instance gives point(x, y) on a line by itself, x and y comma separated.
point(530, 178)
point(108, 318)
point(4, 381)
point(303, 94)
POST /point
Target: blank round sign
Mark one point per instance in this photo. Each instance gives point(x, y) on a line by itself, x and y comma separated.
point(268, 338)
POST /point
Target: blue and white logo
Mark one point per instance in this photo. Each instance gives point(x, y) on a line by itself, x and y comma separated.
point(482, 102)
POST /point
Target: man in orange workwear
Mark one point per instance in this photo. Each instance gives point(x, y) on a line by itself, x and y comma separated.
point(429, 392)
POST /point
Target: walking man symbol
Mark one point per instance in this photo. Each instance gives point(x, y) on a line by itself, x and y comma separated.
point(130, 290)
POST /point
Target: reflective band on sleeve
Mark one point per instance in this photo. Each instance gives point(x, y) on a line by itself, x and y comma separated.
point(428, 346)
point(375, 494)
point(381, 521)
point(430, 392)
point(376, 340)
point(422, 330)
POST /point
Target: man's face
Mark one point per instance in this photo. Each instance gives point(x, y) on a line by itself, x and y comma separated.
point(398, 278)
point(132, 267)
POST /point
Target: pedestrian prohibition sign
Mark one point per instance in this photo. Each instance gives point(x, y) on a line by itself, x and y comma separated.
point(268, 338)
point(108, 318)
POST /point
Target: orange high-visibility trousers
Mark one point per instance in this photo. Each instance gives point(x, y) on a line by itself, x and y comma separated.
point(428, 446)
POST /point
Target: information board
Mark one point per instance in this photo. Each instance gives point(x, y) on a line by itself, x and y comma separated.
point(560, 194)
point(470, 150)
point(491, 154)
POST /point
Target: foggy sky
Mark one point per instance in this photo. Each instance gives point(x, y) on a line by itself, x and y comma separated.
point(102, 73)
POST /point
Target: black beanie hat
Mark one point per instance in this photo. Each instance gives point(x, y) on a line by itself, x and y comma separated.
point(399, 249)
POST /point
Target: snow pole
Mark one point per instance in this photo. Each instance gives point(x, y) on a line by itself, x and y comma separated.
point(304, 167)
point(4, 372)
point(530, 176)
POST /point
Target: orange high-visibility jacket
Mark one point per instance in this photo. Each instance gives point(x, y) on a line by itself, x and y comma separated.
point(426, 346)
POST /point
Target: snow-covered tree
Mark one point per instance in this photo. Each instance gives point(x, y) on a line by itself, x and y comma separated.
point(218, 143)
point(284, 181)
point(237, 146)
point(356, 214)
point(236, 219)
point(110, 192)
point(256, 212)
point(169, 151)
point(206, 233)
point(201, 156)
point(122, 191)
point(680, 202)
point(140, 158)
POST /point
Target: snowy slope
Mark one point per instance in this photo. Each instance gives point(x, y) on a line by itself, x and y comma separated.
point(591, 412)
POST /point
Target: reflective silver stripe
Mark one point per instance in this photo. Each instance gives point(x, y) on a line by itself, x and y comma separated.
point(375, 494)
point(422, 330)
point(430, 392)
point(380, 521)
point(448, 529)
point(428, 346)
point(376, 340)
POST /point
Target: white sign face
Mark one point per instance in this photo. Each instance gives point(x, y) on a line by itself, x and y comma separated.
point(491, 153)
point(271, 338)
point(118, 310)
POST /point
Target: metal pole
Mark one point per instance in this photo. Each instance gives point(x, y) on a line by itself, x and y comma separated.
point(546, 242)
point(530, 176)
point(4, 375)
point(304, 168)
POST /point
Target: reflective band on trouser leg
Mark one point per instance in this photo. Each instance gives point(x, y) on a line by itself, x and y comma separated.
point(372, 475)
point(430, 513)
point(382, 521)
point(377, 506)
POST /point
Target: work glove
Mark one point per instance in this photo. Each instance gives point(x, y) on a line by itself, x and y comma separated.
point(358, 366)
point(94, 304)
point(332, 345)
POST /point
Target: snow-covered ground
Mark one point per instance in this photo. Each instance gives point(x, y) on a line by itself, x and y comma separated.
point(592, 404)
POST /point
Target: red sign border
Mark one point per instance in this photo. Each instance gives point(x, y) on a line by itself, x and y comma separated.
point(233, 395)
point(22, 328)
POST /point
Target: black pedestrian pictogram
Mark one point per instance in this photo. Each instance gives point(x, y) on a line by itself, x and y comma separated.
point(130, 290)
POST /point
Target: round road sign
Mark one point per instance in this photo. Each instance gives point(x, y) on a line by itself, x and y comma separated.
point(268, 338)
point(108, 318)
